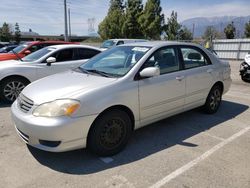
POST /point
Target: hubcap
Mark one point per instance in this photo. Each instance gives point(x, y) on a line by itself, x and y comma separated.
point(13, 89)
point(112, 133)
point(215, 99)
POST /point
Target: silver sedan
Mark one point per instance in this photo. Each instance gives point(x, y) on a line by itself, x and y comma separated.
point(122, 89)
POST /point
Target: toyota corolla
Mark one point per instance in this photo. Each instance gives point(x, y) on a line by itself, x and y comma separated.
point(99, 104)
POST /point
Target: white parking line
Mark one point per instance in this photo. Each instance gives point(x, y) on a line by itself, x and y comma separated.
point(106, 159)
point(189, 165)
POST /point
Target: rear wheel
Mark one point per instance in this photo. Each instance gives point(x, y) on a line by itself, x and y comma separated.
point(213, 100)
point(110, 133)
point(11, 88)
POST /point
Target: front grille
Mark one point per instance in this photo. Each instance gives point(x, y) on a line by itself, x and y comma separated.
point(24, 103)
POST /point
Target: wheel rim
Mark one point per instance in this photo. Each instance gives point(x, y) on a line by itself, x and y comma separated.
point(13, 89)
point(113, 133)
point(215, 99)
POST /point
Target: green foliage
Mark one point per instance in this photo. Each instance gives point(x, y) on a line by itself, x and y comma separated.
point(111, 26)
point(131, 27)
point(230, 31)
point(17, 33)
point(5, 33)
point(247, 29)
point(185, 34)
point(172, 27)
point(210, 33)
point(152, 20)
point(116, 5)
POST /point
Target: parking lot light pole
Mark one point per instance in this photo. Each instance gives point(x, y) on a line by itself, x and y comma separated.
point(65, 21)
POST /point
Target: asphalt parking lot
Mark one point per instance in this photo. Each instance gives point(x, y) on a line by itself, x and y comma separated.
point(189, 150)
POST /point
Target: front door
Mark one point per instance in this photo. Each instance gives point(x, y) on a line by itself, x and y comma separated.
point(162, 95)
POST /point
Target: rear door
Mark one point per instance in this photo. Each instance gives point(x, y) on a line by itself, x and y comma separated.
point(162, 95)
point(199, 72)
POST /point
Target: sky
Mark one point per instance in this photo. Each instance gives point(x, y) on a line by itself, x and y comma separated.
point(47, 16)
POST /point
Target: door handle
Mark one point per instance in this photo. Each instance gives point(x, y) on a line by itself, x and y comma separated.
point(210, 70)
point(180, 78)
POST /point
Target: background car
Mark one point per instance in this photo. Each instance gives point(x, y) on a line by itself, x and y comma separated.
point(15, 75)
point(116, 42)
point(99, 104)
point(8, 48)
point(27, 48)
point(245, 68)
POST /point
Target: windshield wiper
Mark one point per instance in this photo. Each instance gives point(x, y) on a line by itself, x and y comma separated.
point(19, 58)
point(102, 73)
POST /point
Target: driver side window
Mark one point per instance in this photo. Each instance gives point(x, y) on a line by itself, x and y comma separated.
point(64, 55)
point(166, 59)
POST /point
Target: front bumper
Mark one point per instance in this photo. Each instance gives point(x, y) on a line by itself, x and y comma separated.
point(69, 133)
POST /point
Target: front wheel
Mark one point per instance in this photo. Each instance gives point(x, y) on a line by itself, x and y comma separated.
point(110, 133)
point(213, 100)
point(11, 88)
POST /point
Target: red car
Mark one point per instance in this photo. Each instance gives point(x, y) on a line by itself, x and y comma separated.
point(27, 48)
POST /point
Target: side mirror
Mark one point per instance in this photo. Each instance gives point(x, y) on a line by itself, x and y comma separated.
point(150, 72)
point(50, 60)
point(27, 52)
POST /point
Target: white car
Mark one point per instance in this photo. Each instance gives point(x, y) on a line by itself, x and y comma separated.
point(122, 89)
point(15, 75)
point(116, 42)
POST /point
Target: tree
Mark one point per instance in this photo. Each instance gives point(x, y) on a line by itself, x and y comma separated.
point(172, 27)
point(230, 31)
point(247, 29)
point(131, 27)
point(210, 33)
point(111, 26)
point(185, 34)
point(5, 34)
point(152, 20)
point(17, 33)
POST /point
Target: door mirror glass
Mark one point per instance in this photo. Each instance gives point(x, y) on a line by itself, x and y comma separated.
point(150, 72)
point(50, 60)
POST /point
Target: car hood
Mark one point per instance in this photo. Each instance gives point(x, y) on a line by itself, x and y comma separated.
point(63, 85)
point(7, 56)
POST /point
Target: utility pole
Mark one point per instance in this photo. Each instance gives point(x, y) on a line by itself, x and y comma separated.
point(69, 25)
point(65, 21)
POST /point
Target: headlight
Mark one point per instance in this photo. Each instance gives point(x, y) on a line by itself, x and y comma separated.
point(65, 107)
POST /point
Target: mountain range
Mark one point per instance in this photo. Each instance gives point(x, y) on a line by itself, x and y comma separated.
point(199, 24)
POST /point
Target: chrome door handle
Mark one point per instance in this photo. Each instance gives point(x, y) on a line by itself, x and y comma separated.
point(210, 70)
point(180, 78)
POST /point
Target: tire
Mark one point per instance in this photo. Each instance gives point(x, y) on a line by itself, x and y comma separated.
point(213, 100)
point(11, 88)
point(109, 133)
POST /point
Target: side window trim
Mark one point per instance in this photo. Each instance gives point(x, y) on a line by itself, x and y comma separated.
point(209, 62)
point(177, 57)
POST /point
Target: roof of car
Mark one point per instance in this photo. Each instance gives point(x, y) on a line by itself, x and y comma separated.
point(50, 41)
point(159, 43)
point(61, 46)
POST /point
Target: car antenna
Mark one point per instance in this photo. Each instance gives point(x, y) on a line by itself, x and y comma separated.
point(17, 55)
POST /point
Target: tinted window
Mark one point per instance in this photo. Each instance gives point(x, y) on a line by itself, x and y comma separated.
point(193, 58)
point(120, 42)
point(64, 55)
point(84, 53)
point(165, 59)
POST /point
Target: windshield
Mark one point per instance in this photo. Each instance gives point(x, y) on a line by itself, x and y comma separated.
point(107, 44)
point(19, 48)
point(115, 62)
point(38, 54)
